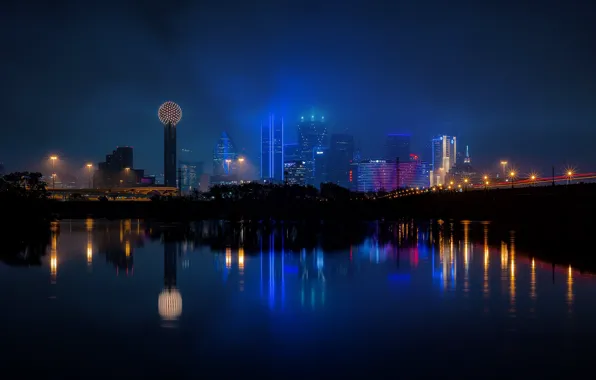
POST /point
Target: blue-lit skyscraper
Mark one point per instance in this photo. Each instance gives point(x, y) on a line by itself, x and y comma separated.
point(272, 149)
point(312, 134)
point(444, 150)
point(223, 155)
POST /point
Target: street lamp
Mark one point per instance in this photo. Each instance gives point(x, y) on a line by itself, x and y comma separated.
point(90, 167)
point(504, 165)
point(569, 176)
point(241, 159)
point(533, 178)
point(53, 159)
point(512, 175)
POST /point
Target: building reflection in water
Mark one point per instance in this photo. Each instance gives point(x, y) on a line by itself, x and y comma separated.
point(118, 245)
point(170, 300)
point(307, 270)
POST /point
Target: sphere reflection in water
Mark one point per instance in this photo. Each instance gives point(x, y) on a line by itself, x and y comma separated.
point(170, 304)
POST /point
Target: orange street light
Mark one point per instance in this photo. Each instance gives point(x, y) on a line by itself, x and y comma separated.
point(53, 159)
point(90, 166)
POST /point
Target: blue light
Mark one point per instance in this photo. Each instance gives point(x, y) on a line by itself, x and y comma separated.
point(292, 269)
point(399, 278)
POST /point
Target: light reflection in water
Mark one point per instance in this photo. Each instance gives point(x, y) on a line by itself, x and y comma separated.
point(54, 252)
point(89, 251)
point(310, 289)
point(486, 286)
point(466, 256)
point(241, 268)
point(228, 257)
point(533, 280)
point(569, 288)
point(512, 276)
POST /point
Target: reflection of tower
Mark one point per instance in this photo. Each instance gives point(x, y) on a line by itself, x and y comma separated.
point(170, 301)
point(169, 114)
point(309, 287)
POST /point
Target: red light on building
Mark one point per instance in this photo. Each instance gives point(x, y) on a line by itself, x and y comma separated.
point(351, 176)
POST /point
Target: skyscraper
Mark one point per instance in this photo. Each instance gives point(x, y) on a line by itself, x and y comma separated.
point(295, 172)
point(312, 133)
point(291, 152)
point(397, 146)
point(169, 148)
point(170, 115)
point(321, 160)
point(341, 154)
point(190, 173)
point(443, 158)
point(117, 170)
point(272, 149)
point(376, 175)
point(223, 155)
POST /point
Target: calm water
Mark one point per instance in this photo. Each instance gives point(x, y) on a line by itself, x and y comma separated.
point(120, 299)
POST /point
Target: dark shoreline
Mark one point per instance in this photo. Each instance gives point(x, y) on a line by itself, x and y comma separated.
point(553, 223)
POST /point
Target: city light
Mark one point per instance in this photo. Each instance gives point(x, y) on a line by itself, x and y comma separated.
point(53, 158)
point(241, 159)
point(90, 167)
point(169, 113)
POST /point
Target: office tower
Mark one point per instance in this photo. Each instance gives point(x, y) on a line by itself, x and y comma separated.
point(117, 170)
point(272, 149)
point(443, 158)
point(170, 115)
point(312, 133)
point(190, 173)
point(295, 172)
point(376, 175)
point(467, 159)
point(291, 152)
point(321, 161)
point(122, 157)
point(397, 146)
point(341, 154)
point(223, 156)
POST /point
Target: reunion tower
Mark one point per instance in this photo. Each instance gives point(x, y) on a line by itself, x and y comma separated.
point(169, 114)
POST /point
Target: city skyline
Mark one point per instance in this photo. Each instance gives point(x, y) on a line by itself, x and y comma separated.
point(510, 82)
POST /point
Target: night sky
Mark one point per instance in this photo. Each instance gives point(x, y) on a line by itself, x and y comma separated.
point(513, 79)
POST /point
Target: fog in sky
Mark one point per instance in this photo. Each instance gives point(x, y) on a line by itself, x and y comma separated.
point(513, 79)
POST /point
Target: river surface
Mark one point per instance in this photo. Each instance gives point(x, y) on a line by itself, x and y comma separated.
point(123, 299)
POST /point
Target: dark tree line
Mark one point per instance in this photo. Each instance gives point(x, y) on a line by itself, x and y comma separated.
point(22, 185)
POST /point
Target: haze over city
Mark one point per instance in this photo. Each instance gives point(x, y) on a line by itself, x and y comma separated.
point(511, 80)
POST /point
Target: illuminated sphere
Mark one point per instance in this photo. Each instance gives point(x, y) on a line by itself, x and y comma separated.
point(169, 304)
point(169, 113)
